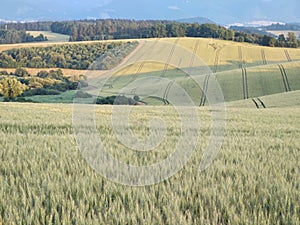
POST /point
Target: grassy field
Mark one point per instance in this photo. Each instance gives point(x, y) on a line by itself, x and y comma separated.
point(286, 99)
point(44, 179)
point(52, 37)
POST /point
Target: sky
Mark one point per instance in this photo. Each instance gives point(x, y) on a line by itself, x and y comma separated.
point(220, 11)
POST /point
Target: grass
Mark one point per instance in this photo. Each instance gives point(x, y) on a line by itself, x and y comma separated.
point(286, 99)
point(65, 97)
point(44, 178)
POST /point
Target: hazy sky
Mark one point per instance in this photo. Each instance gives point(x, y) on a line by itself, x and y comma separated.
point(221, 11)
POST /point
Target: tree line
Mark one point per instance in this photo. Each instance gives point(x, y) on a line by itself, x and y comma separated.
point(15, 36)
point(106, 29)
point(75, 56)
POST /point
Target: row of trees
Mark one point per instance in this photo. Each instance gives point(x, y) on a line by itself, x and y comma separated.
point(34, 26)
point(103, 29)
point(289, 41)
point(14, 36)
point(116, 29)
point(74, 56)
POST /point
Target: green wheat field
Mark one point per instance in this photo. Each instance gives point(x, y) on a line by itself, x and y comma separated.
point(45, 180)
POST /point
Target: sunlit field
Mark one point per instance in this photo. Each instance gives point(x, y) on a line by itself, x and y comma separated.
point(44, 179)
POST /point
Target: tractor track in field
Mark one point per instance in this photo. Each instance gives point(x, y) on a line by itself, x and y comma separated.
point(216, 62)
point(259, 103)
point(204, 91)
point(193, 56)
point(263, 57)
point(245, 83)
point(284, 78)
point(166, 93)
point(240, 52)
point(169, 58)
point(194, 53)
point(134, 76)
point(287, 55)
point(262, 103)
point(128, 57)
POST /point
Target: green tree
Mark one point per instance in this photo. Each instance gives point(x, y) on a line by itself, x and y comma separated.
point(10, 88)
point(21, 72)
point(281, 37)
point(291, 37)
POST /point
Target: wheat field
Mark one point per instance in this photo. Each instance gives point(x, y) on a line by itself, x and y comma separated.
point(45, 180)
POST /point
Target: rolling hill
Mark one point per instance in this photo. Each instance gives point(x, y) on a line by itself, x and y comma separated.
point(243, 71)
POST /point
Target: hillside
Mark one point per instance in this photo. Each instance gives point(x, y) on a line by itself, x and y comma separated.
point(243, 71)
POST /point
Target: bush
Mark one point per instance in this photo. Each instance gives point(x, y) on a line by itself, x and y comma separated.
point(40, 91)
point(3, 72)
point(116, 100)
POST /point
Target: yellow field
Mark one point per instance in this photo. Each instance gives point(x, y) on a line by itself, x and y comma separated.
point(52, 37)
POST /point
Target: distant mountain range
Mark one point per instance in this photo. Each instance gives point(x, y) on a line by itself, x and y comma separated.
point(199, 20)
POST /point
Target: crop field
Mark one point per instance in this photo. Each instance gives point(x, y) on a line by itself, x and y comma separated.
point(286, 99)
point(254, 179)
point(231, 55)
point(244, 71)
point(52, 37)
point(261, 80)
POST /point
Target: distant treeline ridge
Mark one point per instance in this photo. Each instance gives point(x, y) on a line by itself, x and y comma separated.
point(106, 29)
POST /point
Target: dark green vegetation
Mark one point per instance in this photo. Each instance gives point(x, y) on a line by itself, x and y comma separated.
point(75, 56)
point(86, 30)
point(14, 36)
point(113, 100)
